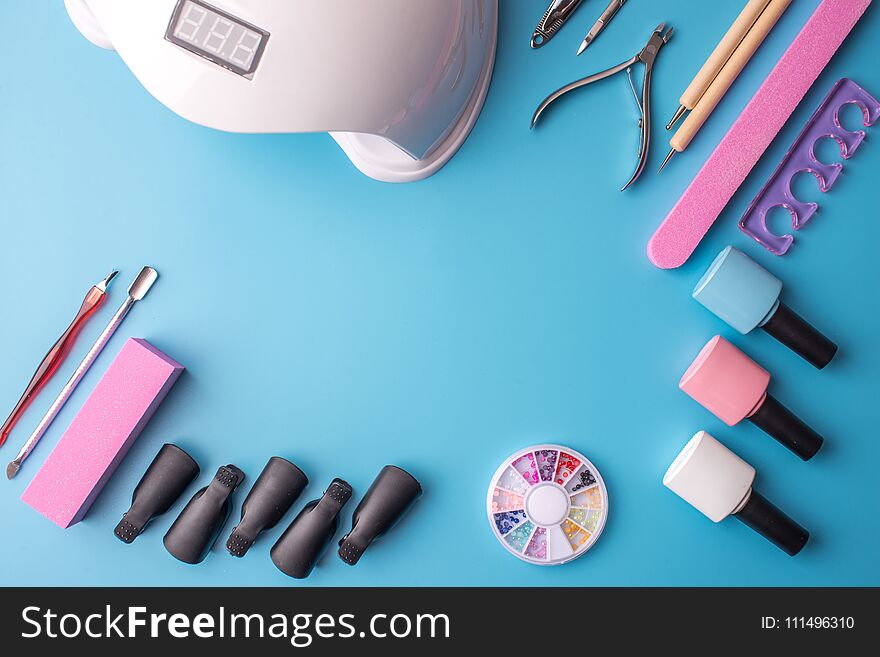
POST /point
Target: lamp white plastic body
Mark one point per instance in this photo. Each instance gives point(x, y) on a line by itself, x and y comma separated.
point(398, 84)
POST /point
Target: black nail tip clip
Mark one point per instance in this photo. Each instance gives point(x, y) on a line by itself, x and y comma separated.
point(275, 490)
point(388, 498)
point(199, 524)
point(301, 544)
point(164, 481)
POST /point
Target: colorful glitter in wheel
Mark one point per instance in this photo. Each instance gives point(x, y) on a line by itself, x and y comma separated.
point(547, 504)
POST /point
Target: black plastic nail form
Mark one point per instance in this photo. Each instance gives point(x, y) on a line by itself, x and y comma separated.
point(302, 543)
point(388, 498)
point(275, 490)
point(198, 525)
point(164, 481)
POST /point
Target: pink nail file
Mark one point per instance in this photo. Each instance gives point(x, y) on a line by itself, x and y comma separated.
point(751, 134)
point(102, 432)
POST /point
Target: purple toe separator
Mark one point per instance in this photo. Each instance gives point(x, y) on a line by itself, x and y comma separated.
point(825, 122)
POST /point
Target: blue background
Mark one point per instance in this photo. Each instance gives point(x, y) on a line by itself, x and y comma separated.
point(345, 323)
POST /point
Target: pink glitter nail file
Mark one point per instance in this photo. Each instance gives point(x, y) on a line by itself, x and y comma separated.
point(102, 432)
point(751, 134)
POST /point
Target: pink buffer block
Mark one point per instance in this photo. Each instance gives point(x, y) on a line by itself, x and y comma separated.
point(761, 120)
point(734, 388)
point(101, 433)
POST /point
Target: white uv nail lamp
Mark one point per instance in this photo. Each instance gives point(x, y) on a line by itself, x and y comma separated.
point(397, 83)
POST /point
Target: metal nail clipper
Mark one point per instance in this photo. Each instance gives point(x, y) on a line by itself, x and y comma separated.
point(554, 18)
point(647, 56)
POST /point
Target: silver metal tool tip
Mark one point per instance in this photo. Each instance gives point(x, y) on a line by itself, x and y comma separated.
point(103, 285)
point(586, 42)
point(675, 117)
point(666, 161)
point(143, 283)
point(535, 118)
point(540, 110)
point(13, 468)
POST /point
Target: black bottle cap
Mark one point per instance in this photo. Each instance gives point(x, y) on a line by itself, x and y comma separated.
point(773, 524)
point(785, 427)
point(299, 547)
point(275, 490)
point(167, 477)
point(791, 330)
point(388, 498)
point(193, 533)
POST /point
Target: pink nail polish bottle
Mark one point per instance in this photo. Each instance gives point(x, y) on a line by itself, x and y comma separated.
point(734, 387)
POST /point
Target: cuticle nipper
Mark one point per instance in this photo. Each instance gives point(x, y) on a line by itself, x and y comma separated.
point(647, 56)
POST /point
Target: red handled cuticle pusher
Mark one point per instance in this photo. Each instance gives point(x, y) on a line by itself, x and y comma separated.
point(59, 351)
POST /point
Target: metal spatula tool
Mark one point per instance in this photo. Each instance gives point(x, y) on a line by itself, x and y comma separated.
point(136, 292)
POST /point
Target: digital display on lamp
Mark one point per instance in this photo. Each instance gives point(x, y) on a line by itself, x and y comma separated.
point(217, 36)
